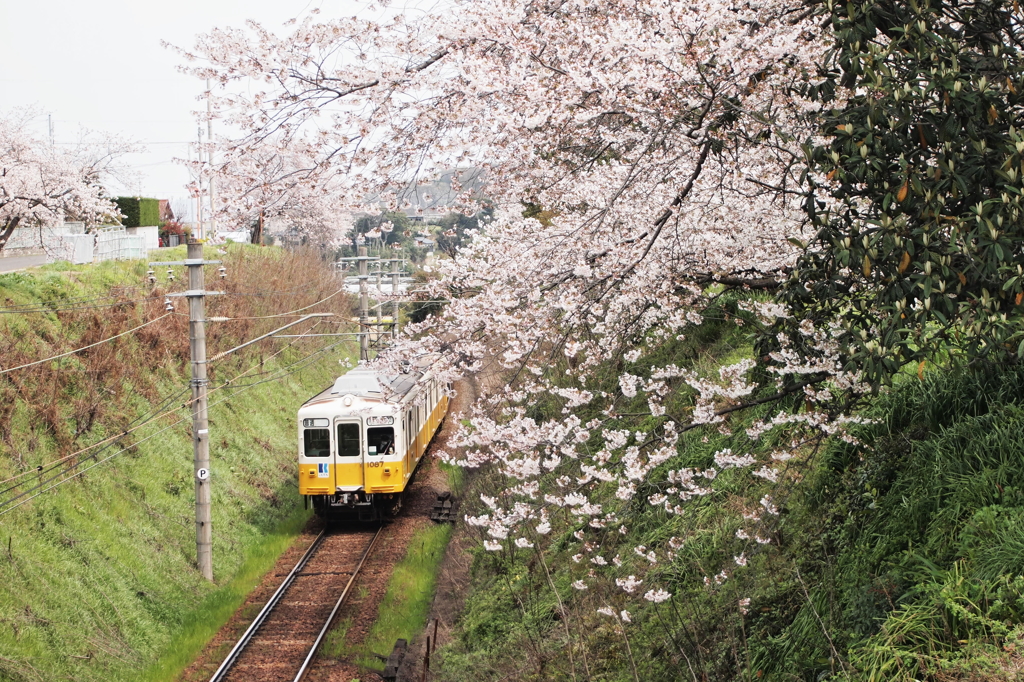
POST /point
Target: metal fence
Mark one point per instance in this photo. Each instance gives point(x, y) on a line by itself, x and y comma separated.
point(39, 237)
point(76, 248)
point(114, 243)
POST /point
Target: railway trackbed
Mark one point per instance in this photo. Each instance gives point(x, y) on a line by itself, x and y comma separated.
point(282, 641)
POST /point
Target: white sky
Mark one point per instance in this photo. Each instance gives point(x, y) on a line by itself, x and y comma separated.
point(99, 65)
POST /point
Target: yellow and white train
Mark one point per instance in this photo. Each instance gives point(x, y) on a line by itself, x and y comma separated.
point(361, 440)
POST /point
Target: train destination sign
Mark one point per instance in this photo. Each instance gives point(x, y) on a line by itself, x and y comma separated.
point(377, 421)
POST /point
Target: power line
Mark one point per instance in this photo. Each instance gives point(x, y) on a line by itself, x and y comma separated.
point(74, 304)
point(56, 309)
point(149, 418)
point(291, 313)
point(91, 345)
point(228, 384)
point(72, 301)
point(46, 468)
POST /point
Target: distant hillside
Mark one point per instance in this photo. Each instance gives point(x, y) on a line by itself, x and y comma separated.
point(425, 200)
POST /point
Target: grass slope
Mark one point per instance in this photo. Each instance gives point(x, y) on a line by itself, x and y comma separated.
point(900, 558)
point(98, 577)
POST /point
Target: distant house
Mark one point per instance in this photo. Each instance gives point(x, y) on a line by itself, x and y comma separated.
point(425, 242)
point(165, 211)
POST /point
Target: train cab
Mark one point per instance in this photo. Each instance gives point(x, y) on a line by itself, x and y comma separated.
point(361, 440)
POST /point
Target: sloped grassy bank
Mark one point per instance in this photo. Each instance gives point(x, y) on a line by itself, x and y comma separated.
point(98, 577)
point(900, 558)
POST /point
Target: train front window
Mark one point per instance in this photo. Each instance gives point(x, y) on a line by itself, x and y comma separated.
point(348, 440)
point(382, 438)
point(317, 442)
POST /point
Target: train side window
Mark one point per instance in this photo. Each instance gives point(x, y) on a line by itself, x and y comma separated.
point(316, 442)
point(382, 438)
point(348, 440)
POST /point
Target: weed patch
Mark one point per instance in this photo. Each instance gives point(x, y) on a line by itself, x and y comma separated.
point(403, 611)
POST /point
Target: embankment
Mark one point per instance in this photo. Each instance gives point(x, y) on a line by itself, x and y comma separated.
point(97, 569)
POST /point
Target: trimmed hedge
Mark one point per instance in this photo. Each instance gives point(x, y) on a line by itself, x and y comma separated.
point(139, 211)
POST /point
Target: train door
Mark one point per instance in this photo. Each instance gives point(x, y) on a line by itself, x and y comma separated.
point(348, 465)
point(315, 477)
point(381, 474)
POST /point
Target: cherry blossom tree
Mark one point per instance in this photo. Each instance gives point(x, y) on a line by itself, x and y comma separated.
point(43, 185)
point(267, 183)
point(658, 146)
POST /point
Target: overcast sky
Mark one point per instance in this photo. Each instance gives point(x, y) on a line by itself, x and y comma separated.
point(98, 64)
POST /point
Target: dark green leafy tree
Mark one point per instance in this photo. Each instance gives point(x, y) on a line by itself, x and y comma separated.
point(454, 228)
point(916, 183)
point(400, 225)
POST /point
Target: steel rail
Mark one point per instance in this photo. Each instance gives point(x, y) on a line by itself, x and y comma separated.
point(330, 619)
point(232, 657)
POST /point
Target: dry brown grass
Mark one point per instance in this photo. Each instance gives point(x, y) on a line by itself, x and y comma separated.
point(68, 401)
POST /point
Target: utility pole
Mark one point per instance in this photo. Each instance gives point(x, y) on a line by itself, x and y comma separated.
point(200, 424)
point(364, 305)
point(209, 154)
point(380, 305)
point(196, 295)
point(395, 272)
point(364, 301)
point(199, 184)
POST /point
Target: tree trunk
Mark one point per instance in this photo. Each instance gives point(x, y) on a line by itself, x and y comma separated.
point(8, 230)
point(257, 233)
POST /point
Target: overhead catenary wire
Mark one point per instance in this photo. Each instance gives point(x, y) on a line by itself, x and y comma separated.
point(49, 466)
point(303, 362)
point(91, 345)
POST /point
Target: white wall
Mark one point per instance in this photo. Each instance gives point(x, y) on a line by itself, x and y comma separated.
point(150, 233)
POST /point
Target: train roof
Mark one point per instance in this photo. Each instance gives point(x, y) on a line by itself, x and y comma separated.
point(365, 382)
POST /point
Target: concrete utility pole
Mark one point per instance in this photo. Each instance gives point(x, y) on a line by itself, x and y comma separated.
point(364, 308)
point(380, 306)
point(364, 299)
point(209, 156)
point(196, 295)
point(395, 272)
point(199, 185)
point(200, 423)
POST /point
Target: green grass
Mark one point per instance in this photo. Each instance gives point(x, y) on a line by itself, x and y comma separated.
point(403, 611)
point(204, 622)
point(456, 477)
point(100, 581)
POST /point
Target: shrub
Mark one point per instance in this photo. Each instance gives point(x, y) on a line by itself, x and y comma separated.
point(138, 211)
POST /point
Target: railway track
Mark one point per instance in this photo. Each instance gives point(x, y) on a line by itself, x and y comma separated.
point(281, 642)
